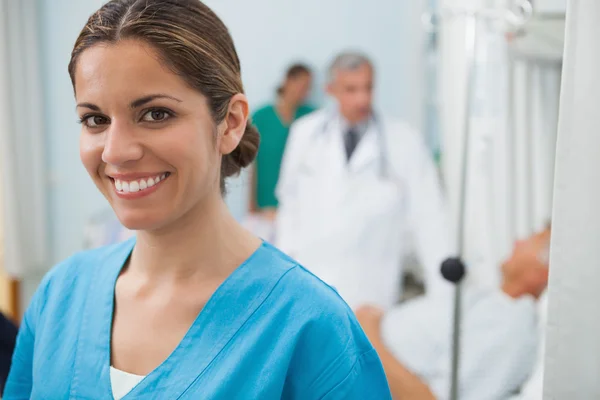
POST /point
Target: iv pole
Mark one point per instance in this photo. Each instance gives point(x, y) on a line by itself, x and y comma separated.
point(453, 269)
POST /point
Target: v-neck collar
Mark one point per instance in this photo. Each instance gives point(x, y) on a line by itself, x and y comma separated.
point(222, 316)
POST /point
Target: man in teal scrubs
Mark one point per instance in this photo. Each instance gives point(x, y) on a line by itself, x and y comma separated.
point(273, 122)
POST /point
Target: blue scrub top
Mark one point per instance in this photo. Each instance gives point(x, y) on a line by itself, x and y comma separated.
point(272, 330)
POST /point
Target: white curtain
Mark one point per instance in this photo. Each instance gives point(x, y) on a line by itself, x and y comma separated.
point(513, 124)
point(573, 329)
point(22, 161)
point(536, 87)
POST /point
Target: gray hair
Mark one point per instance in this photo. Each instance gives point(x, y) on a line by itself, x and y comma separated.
point(348, 61)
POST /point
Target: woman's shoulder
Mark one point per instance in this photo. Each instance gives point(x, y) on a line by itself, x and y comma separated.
point(77, 270)
point(330, 348)
point(301, 279)
point(65, 287)
point(85, 261)
point(314, 301)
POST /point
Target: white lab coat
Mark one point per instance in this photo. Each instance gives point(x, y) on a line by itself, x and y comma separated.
point(346, 222)
point(498, 343)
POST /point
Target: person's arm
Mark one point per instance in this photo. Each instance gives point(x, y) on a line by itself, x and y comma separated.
point(403, 383)
point(333, 358)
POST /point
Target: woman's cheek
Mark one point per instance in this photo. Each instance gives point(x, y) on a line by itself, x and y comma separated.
point(90, 153)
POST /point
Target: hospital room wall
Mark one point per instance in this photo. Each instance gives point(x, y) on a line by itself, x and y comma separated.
point(269, 34)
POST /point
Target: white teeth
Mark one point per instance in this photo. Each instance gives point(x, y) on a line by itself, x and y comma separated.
point(134, 186)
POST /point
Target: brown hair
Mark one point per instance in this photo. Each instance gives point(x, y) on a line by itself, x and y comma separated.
point(294, 71)
point(191, 41)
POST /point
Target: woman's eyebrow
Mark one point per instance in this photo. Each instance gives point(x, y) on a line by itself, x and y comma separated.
point(88, 105)
point(134, 104)
point(146, 99)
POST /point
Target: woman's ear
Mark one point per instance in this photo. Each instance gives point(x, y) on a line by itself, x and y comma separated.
point(234, 125)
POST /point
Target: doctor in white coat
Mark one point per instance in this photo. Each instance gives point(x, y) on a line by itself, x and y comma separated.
point(352, 184)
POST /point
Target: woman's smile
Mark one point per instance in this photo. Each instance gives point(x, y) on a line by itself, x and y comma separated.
point(135, 186)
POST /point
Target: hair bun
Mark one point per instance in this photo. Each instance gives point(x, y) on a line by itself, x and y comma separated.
point(244, 153)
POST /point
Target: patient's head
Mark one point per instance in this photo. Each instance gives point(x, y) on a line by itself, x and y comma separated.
point(526, 271)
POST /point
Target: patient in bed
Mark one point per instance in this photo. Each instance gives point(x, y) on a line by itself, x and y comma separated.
point(498, 334)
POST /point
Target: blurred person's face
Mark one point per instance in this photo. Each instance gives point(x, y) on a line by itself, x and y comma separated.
point(353, 91)
point(297, 88)
point(148, 140)
point(528, 264)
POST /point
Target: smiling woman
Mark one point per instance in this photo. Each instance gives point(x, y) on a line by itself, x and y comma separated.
point(194, 306)
point(195, 144)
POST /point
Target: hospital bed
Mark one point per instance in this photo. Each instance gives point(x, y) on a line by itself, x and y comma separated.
point(533, 388)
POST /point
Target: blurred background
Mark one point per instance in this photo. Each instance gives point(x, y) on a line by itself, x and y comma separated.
point(269, 35)
point(420, 66)
point(51, 209)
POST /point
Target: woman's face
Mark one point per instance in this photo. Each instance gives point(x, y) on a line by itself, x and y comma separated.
point(147, 139)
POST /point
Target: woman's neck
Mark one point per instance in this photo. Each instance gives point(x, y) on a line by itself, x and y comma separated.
point(205, 243)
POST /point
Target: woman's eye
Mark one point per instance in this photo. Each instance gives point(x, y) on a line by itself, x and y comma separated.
point(156, 116)
point(95, 121)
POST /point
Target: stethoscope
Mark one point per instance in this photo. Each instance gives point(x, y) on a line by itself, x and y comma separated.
point(374, 123)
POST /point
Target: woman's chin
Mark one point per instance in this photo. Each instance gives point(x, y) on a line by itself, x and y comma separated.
point(139, 221)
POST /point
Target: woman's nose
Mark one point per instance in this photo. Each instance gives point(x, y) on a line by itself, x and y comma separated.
point(121, 145)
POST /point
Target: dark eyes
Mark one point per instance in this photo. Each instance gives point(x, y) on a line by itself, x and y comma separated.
point(153, 116)
point(156, 115)
point(94, 121)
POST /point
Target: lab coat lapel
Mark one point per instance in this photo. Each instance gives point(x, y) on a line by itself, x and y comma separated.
point(367, 152)
point(334, 155)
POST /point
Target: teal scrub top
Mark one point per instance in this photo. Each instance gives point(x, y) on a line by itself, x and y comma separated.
point(273, 137)
point(272, 330)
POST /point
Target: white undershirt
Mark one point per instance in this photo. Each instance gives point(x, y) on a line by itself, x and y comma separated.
point(123, 382)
